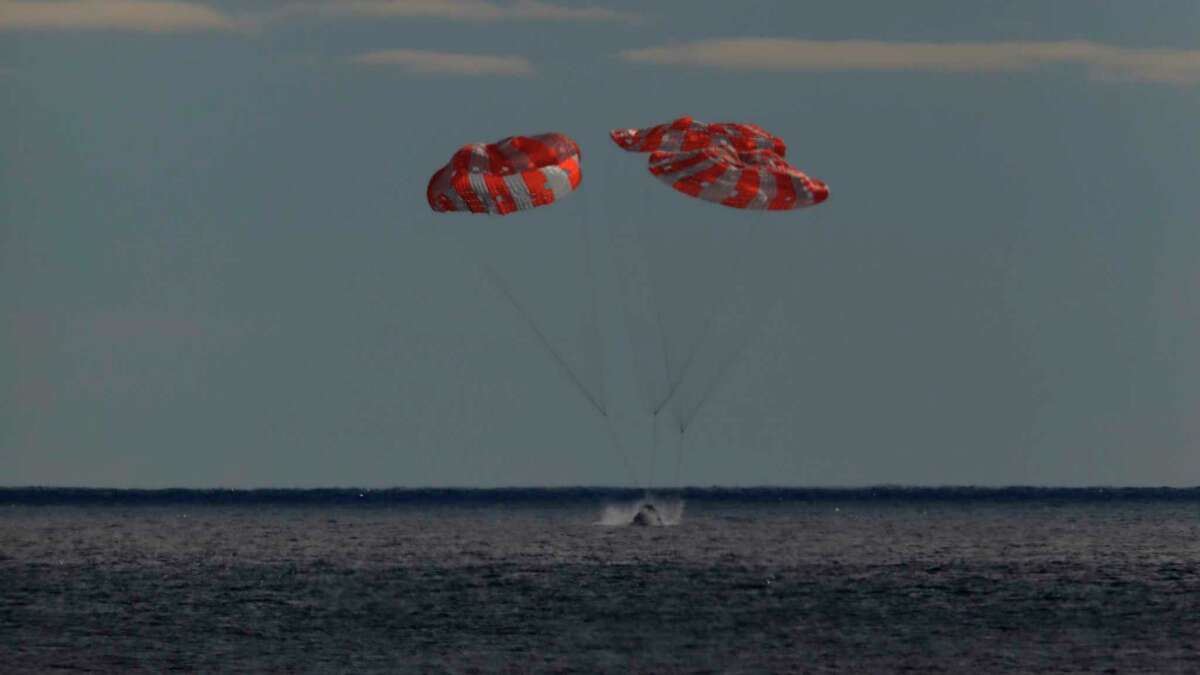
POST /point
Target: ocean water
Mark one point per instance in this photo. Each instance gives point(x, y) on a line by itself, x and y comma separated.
point(744, 581)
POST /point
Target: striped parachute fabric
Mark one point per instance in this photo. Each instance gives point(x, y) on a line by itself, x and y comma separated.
point(686, 134)
point(515, 174)
point(738, 165)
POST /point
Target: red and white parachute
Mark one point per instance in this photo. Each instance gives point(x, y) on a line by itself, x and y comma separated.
point(738, 165)
point(514, 174)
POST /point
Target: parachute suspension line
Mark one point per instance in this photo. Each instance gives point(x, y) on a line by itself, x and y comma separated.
point(616, 441)
point(542, 339)
point(655, 301)
point(720, 374)
point(654, 443)
point(498, 282)
point(589, 270)
point(712, 386)
point(625, 288)
point(662, 336)
point(649, 294)
point(662, 339)
point(652, 299)
point(653, 449)
point(597, 346)
point(679, 461)
point(708, 322)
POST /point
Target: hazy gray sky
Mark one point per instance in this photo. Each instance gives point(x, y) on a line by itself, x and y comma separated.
point(217, 267)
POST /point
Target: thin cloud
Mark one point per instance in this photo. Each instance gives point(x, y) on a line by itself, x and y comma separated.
point(1176, 66)
point(457, 10)
point(446, 63)
point(152, 16)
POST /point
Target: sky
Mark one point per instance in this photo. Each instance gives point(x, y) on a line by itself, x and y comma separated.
point(218, 267)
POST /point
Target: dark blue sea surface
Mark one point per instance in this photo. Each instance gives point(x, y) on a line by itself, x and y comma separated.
point(768, 580)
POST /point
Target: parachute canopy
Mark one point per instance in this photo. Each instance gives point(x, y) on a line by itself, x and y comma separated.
point(738, 165)
point(514, 174)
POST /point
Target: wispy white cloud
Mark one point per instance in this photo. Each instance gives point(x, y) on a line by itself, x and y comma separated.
point(446, 63)
point(457, 10)
point(1177, 66)
point(163, 16)
point(153, 16)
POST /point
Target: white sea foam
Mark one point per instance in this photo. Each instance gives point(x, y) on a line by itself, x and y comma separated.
point(670, 510)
